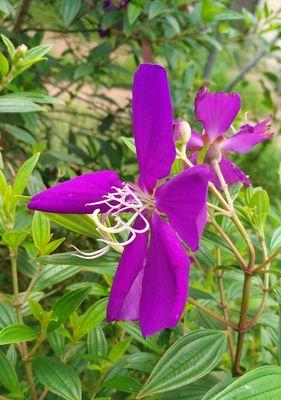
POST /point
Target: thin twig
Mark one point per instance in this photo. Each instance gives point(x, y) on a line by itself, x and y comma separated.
point(21, 15)
point(272, 256)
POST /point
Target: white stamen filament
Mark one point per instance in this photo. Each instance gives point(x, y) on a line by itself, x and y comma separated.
point(128, 198)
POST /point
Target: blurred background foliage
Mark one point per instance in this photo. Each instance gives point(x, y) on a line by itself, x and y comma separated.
point(72, 104)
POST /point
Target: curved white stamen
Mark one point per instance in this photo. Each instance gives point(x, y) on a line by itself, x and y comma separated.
point(130, 240)
point(93, 254)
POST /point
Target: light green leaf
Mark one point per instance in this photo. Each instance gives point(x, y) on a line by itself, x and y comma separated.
point(53, 274)
point(79, 223)
point(24, 174)
point(66, 305)
point(119, 349)
point(40, 98)
point(276, 239)
point(92, 317)
point(134, 331)
point(8, 375)
point(156, 8)
point(6, 7)
point(52, 246)
point(17, 333)
point(57, 377)
point(37, 52)
point(7, 315)
point(8, 105)
point(4, 65)
point(56, 341)
point(20, 134)
point(96, 342)
point(41, 231)
point(187, 360)
point(130, 143)
point(133, 13)
point(9, 45)
point(69, 10)
point(14, 239)
point(260, 384)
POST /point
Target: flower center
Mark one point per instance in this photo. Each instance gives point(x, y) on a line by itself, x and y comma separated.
point(128, 199)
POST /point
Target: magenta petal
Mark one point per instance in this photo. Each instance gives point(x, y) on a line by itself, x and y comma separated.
point(184, 200)
point(248, 137)
point(153, 124)
point(216, 111)
point(127, 285)
point(195, 141)
point(232, 174)
point(71, 197)
point(165, 281)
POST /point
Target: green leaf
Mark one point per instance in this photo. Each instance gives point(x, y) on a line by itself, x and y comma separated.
point(133, 13)
point(96, 342)
point(156, 7)
point(52, 246)
point(123, 384)
point(92, 317)
point(17, 333)
point(130, 143)
point(37, 52)
point(53, 274)
point(14, 239)
point(8, 105)
point(35, 308)
point(9, 45)
point(260, 384)
point(276, 239)
point(57, 377)
point(66, 304)
point(188, 359)
point(41, 231)
point(69, 10)
point(260, 203)
point(7, 315)
point(134, 331)
point(119, 349)
point(227, 15)
point(34, 97)
point(8, 375)
point(81, 223)
point(4, 65)
point(24, 174)
point(56, 342)
point(19, 134)
point(6, 7)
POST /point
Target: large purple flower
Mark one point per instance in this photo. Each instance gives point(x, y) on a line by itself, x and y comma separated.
point(216, 112)
point(151, 282)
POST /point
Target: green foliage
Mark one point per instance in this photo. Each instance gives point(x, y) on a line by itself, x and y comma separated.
point(69, 101)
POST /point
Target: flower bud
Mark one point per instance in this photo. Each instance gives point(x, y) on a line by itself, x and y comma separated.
point(20, 52)
point(182, 131)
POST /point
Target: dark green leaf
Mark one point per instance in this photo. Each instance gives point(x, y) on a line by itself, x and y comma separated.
point(17, 333)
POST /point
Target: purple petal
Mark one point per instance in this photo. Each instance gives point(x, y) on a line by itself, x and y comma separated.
point(216, 111)
point(153, 124)
point(195, 142)
point(248, 137)
point(127, 285)
point(165, 281)
point(232, 174)
point(184, 200)
point(71, 197)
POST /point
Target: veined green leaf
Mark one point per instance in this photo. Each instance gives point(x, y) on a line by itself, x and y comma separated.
point(4, 65)
point(20, 134)
point(9, 45)
point(24, 174)
point(133, 13)
point(17, 333)
point(96, 342)
point(38, 52)
point(79, 223)
point(8, 105)
point(188, 359)
point(260, 384)
point(69, 10)
point(156, 7)
point(134, 331)
point(8, 375)
point(92, 317)
point(57, 377)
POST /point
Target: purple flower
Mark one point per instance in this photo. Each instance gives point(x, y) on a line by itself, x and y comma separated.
point(216, 112)
point(151, 282)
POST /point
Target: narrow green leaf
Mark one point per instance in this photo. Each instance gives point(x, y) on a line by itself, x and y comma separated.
point(81, 223)
point(56, 341)
point(17, 333)
point(276, 239)
point(119, 349)
point(20, 134)
point(96, 342)
point(40, 98)
point(9, 45)
point(37, 52)
point(133, 13)
point(130, 143)
point(52, 246)
point(156, 7)
point(41, 231)
point(69, 10)
point(14, 239)
point(6, 7)
point(188, 359)
point(92, 317)
point(7, 315)
point(66, 304)
point(24, 174)
point(8, 105)
point(4, 65)
point(57, 377)
point(53, 274)
point(8, 375)
point(134, 331)
point(123, 384)
point(260, 384)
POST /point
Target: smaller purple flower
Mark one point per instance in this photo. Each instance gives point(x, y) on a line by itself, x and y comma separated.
point(216, 113)
point(152, 279)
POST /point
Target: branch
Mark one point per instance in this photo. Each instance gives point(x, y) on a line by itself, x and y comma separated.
point(22, 12)
point(268, 260)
